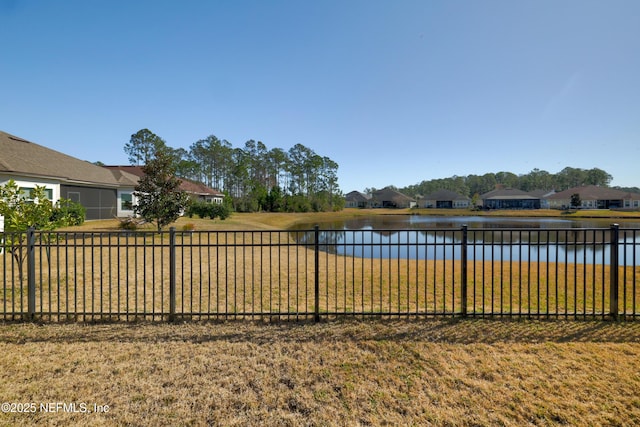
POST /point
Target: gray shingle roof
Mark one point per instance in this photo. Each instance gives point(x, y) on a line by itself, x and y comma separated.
point(134, 173)
point(21, 157)
point(591, 192)
point(389, 194)
point(508, 194)
point(356, 196)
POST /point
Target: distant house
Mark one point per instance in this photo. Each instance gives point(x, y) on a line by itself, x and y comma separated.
point(509, 198)
point(390, 198)
point(445, 199)
point(126, 198)
point(356, 199)
point(201, 192)
point(544, 197)
point(632, 201)
point(63, 176)
point(594, 197)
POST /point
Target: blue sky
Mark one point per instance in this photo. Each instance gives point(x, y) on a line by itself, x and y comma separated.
point(395, 92)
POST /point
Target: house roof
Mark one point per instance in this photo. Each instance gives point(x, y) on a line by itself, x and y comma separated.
point(198, 188)
point(186, 185)
point(543, 194)
point(389, 194)
point(445, 195)
point(19, 157)
point(508, 194)
point(125, 178)
point(356, 196)
point(130, 169)
point(592, 192)
point(25, 158)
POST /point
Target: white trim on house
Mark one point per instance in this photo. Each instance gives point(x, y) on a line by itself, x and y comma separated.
point(214, 199)
point(23, 182)
point(123, 204)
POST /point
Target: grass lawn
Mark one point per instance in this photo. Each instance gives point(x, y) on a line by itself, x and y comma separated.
point(338, 373)
point(342, 373)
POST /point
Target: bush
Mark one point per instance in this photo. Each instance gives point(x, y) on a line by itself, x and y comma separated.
point(68, 213)
point(297, 203)
point(208, 210)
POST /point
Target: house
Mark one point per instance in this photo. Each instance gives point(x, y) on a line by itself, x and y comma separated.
point(356, 199)
point(201, 192)
point(30, 164)
point(126, 198)
point(632, 201)
point(390, 198)
point(594, 197)
point(105, 192)
point(509, 198)
point(544, 197)
point(445, 199)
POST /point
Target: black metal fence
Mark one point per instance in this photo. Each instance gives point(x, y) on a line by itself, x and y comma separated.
point(541, 273)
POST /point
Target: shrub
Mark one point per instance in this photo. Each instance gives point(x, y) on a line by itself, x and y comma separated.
point(68, 213)
point(208, 210)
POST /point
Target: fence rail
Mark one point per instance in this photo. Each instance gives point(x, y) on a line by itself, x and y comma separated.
point(549, 273)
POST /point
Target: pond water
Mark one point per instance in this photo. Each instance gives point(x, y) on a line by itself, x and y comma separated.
point(488, 238)
point(403, 222)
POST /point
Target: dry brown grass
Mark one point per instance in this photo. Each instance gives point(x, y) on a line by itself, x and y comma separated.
point(338, 373)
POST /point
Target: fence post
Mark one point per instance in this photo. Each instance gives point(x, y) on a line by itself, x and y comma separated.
point(613, 271)
point(172, 274)
point(463, 271)
point(316, 261)
point(31, 273)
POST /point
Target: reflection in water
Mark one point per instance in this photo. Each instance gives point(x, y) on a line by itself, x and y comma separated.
point(488, 239)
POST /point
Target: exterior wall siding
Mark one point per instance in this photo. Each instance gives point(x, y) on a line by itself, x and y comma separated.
point(512, 204)
point(30, 183)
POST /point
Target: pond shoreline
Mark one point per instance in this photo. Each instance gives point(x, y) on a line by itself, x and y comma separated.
point(532, 213)
point(286, 221)
point(606, 217)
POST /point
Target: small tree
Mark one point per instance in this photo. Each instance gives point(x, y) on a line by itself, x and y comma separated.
point(475, 200)
point(160, 199)
point(575, 200)
point(22, 211)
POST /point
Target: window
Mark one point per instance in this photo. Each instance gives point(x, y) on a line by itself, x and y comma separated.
point(26, 191)
point(126, 201)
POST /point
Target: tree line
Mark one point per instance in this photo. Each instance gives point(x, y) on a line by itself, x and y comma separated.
point(255, 177)
point(537, 179)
